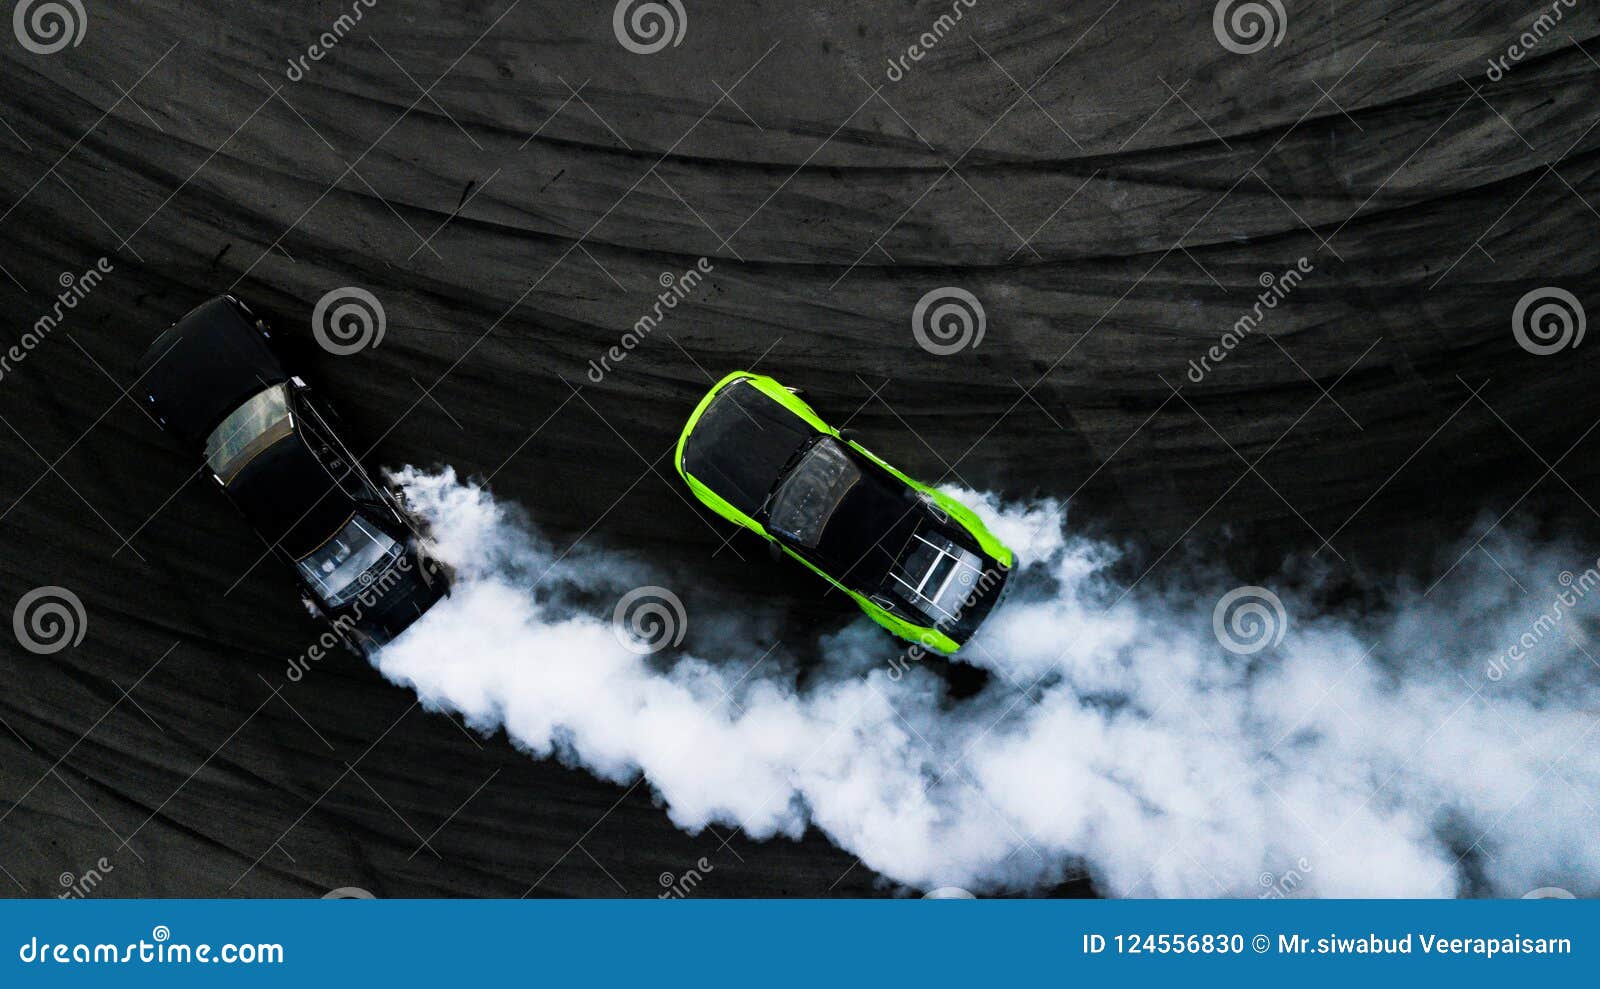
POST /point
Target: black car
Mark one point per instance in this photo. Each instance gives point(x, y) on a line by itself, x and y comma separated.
point(214, 382)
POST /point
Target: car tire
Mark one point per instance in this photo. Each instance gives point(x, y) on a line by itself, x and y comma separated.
point(352, 645)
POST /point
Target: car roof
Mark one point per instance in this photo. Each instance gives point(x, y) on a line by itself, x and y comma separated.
point(870, 529)
point(291, 498)
point(741, 444)
point(204, 365)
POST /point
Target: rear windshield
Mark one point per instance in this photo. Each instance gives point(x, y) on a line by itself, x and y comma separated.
point(807, 498)
point(251, 428)
point(349, 561)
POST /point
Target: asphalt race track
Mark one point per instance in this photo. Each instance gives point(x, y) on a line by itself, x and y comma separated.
point(512, 182)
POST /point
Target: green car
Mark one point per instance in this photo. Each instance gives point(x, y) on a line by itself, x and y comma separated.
point(915, 559)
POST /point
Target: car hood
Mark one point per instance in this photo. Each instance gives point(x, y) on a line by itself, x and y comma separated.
point(741, 443)
point(203, 367)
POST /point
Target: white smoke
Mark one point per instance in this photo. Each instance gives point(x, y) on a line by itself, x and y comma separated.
point(1363, 756)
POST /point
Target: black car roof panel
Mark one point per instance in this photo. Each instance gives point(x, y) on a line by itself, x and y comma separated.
point(291, 498)
point(869, 531)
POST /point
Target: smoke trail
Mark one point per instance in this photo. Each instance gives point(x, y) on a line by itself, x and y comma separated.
point(1151, 739)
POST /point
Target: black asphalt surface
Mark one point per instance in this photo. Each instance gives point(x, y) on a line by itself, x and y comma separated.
point(511, 182)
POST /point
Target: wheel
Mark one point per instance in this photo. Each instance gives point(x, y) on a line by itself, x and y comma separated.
point(350, 642)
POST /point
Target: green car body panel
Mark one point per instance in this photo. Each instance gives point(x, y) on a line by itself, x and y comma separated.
point(925, 635)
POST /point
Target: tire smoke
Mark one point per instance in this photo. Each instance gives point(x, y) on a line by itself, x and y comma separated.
point(1369, 755)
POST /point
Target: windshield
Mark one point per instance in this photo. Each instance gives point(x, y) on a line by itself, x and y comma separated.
point(807, 498)
point(251, 428)
point(348, 562)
